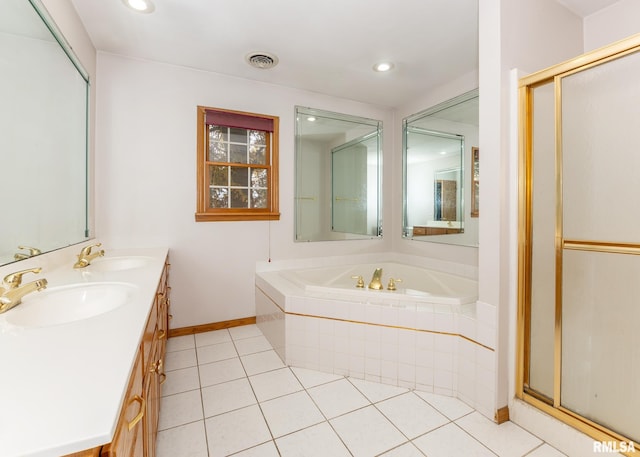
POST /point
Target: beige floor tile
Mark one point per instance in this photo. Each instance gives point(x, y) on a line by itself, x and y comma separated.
point(275, 383)
point(184, 440)
point(316, 441)
point(377, 436)
point(236, 431)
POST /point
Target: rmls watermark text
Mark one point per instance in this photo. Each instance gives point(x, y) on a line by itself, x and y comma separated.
point(614, 446)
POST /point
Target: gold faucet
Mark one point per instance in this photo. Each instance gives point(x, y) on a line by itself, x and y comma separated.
point(12, 290)
point(392, 283)
point(86, 256)
point(376, 282)
point(22, 255)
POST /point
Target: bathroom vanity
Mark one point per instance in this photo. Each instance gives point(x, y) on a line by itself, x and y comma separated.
point(87, 386)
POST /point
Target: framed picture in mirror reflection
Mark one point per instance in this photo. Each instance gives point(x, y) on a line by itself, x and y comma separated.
point(475, 182)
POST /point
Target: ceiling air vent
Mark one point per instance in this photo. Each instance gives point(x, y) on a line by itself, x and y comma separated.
point(262, 60)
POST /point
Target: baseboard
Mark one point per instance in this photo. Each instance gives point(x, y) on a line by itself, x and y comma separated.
point(502, 415)
point(210, 327)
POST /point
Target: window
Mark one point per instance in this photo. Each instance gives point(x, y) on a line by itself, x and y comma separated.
point(237, 166)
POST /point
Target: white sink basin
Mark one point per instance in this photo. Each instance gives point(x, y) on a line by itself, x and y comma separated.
point(63, 304)
point(119, 263)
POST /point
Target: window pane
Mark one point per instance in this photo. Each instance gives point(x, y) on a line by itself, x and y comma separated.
point(218, 176)
point(239, 198)
point(257, 137)
point(218, 152)
point(219, 198)
point(258, 177)
point(258, 154)
point(238, 136)
point(238, 153)
point(217, 146)
point(258, 198)
point(239, 176)
point(217, 133)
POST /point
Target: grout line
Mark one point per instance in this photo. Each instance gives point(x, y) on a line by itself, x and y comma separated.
point(273, 440)
point(204, 423)
point(476, 439)
point(326, 419)
point(535, 448)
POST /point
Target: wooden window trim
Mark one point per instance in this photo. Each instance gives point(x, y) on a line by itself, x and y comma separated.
point(205, 214)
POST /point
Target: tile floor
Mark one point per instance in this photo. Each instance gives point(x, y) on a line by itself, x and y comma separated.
point(228, 393)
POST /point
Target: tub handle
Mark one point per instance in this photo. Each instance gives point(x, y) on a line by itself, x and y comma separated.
point(392, 283)
point(360, 283)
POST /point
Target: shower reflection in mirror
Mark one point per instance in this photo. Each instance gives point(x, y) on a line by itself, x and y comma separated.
point(436, 175)
point(338, 176)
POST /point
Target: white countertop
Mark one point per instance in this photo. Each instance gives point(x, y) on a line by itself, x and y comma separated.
point(61, 387)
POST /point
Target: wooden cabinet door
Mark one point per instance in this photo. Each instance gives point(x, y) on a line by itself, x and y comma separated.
point(152, 392)
point(154, 376)
point(128, 437)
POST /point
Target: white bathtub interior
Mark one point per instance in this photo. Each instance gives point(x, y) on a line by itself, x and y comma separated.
point(415, 284)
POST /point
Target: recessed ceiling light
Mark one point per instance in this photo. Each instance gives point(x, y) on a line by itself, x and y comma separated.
point(383, 66)
point(311, 119)
point(141, 6)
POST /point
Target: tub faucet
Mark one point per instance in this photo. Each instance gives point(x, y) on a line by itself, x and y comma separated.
point(86, 256)
point(376, 280)
point(12, 290)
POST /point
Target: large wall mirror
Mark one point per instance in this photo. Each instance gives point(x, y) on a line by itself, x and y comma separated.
point(338, 175)
point(43, 134)
point(441, 172)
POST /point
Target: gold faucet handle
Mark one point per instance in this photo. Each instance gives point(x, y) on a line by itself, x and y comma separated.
point(14, 280)
point(392, 283)
point(87, 249)
point(32, 251)
point(360, 283)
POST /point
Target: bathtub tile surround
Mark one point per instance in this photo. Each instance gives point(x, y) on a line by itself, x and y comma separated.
point(274, 410)
point(444, 347)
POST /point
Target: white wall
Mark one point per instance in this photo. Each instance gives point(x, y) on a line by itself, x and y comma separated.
point(620, 20)
point(146, 190)
point(529, 35)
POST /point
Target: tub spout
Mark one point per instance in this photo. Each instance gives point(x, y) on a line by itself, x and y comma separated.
point(376, 280)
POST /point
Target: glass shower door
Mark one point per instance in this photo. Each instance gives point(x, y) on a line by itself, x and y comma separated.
point(579, 250)
point(601, 233)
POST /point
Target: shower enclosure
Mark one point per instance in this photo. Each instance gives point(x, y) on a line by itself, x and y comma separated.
point(579, 250)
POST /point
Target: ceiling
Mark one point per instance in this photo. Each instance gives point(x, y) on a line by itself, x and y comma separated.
point(585, 8)
point(327, 46)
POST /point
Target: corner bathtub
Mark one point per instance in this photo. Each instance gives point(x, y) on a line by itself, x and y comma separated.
point(430, 334)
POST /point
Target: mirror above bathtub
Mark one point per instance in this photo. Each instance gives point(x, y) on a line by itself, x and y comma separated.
point(438, 144)
point(43, 134)
point(338, 175)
